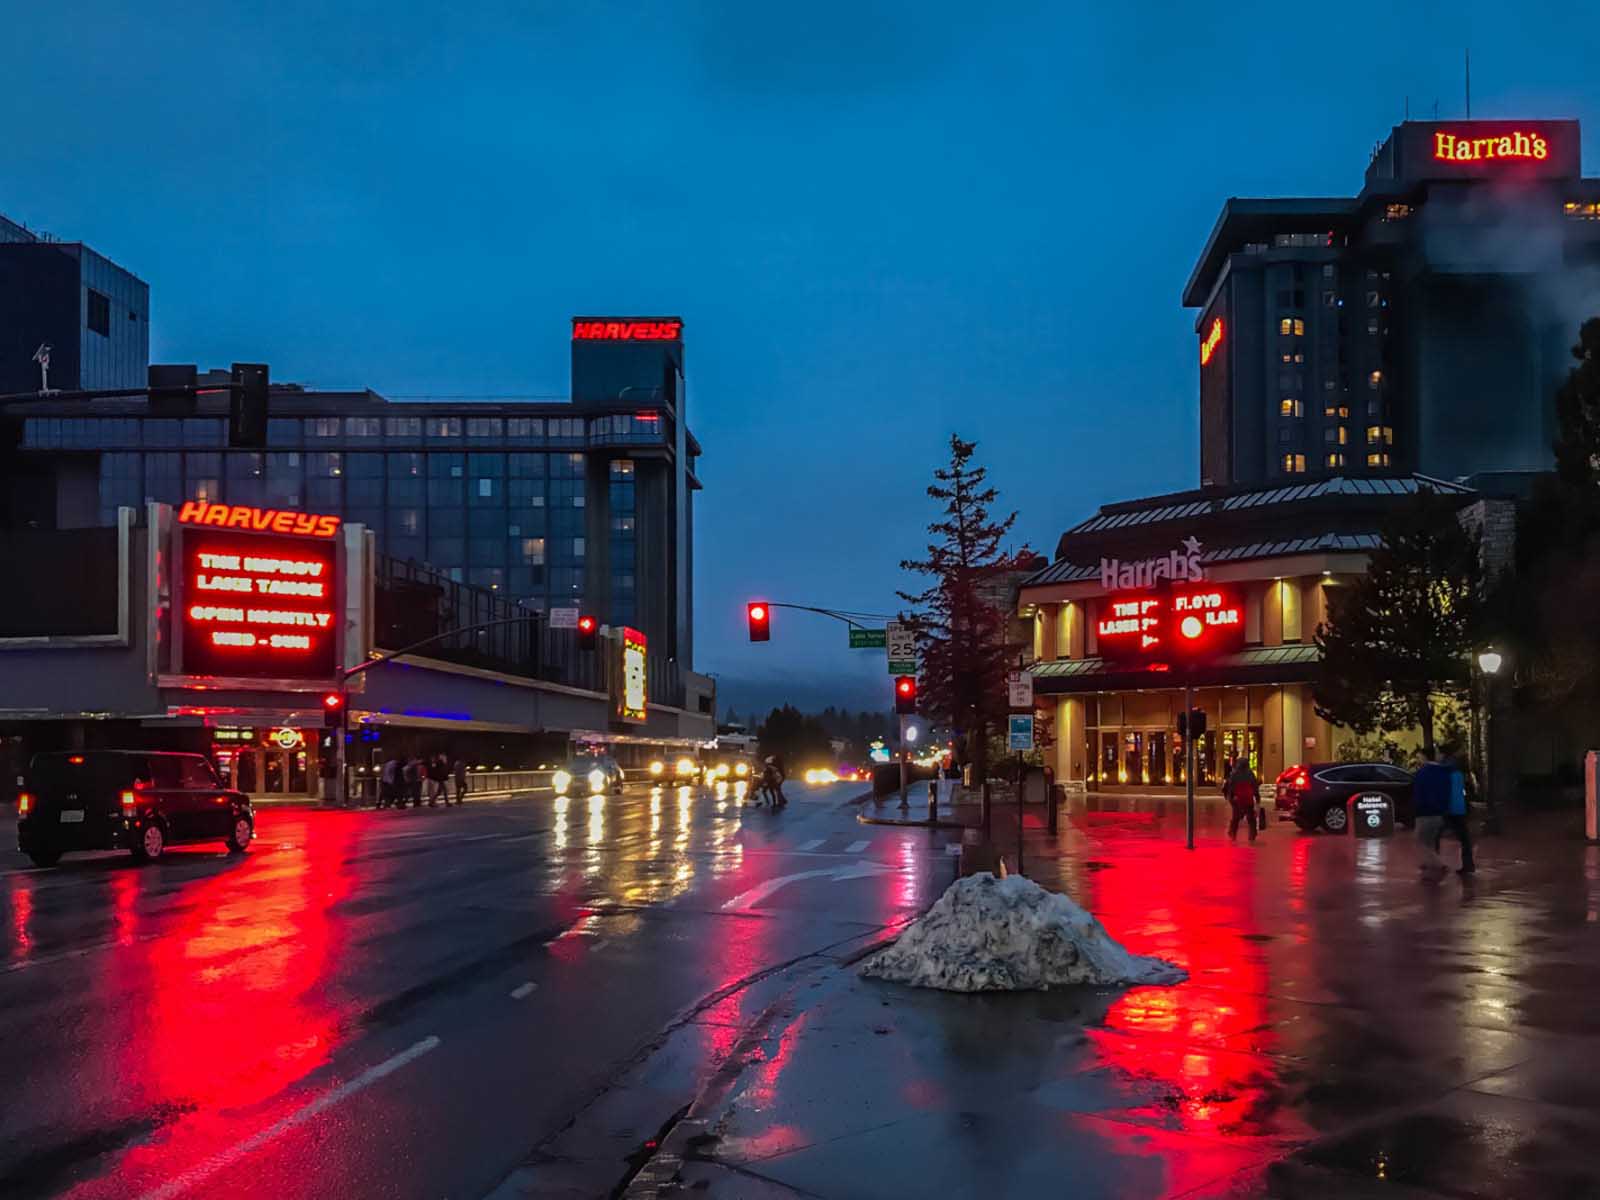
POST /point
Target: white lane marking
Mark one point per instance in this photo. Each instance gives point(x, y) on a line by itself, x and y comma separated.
point(856, 847)
point(811, 845)
point(208, 1167)
point(523, 992)
point(855, 870)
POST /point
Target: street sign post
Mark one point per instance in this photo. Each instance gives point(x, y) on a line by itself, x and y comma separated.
point(900, 640)
point(563, 618)
point(868, 639)
point(1019, 687)
point(1021, 732)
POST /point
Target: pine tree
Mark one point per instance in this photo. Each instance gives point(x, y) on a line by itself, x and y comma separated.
point(960, 622)
point(1399, 638)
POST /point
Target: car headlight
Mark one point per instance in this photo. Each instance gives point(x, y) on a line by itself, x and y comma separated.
point(722, 770)
point(742, 770)
point(597, 780)
point(561, 780)
point(657, 767)
point(686, 766)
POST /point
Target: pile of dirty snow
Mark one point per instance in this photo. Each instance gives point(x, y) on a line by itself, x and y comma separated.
point(990, 935)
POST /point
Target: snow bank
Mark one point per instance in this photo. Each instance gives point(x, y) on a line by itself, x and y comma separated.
point(989, 935)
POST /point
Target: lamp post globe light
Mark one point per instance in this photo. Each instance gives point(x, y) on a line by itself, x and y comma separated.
point(1489, 662)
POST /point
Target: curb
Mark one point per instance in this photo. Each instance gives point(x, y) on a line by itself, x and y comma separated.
point(912, 822)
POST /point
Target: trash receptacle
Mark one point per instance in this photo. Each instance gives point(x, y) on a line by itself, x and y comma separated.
point(1372, 815)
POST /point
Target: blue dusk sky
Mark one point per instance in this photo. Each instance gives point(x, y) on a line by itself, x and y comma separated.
point(882, 223)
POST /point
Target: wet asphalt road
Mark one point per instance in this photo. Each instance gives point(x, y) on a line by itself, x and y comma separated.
point(398, 1003)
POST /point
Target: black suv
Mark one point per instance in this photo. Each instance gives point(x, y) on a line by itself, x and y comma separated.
point(1318, 795)
point(137, 800)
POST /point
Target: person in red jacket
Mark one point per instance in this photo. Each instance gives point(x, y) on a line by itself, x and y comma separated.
point(1243, 791)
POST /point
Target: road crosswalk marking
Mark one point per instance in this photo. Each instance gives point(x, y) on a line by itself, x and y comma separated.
point(857, 847)
point(805, 847)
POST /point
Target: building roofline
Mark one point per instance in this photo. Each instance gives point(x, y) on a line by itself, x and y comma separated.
point(1239, 210)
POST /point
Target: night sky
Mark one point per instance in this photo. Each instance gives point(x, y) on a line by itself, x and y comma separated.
point(881, 223)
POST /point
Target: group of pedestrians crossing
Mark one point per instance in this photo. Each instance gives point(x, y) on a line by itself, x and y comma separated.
point(403, 781)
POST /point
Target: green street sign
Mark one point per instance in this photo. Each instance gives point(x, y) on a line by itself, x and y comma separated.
point(902, 666)
point(868, 639)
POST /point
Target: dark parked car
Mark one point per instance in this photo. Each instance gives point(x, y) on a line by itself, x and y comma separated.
point(1318, 795)
point(136, 800)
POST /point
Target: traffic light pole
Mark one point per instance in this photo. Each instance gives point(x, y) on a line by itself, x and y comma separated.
point(1188, 758)
point(904, 803)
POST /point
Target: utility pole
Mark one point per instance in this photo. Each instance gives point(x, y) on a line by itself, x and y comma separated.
point(1189, 758)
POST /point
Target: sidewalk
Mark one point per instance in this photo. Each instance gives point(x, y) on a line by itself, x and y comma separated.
point(1346, 1030)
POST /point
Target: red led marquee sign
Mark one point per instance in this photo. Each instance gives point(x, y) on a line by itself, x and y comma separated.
point(612, 329)
point(258, 604)
point(1187, 624)
point(1514, 144)
point(1213, 339)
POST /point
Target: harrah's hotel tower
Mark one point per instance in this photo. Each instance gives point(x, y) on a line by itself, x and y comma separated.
point(1422, 325)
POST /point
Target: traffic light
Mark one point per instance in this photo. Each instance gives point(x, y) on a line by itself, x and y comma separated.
point(905, 694)
point(588, 633)
point(332, 711)
point(1192, 724)
point(759, 615)
point(247, 412)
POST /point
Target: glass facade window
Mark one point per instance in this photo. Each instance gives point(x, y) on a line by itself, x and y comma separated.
point(443, 429)
point(622, 541)
point(403, 429)
point(163, 477)
point(285, 479)
point(283, 431)
point(322, 427)
point(565, 431)
point(204, 431)
point(119, 484)
point(525, 430)
point(324, 480)
point(368, 429)
point(202, 476)
point(163, 432)
point(485, 429)
point(363, 479)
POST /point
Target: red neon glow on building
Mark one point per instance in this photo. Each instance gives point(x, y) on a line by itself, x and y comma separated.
point(257, 520)
point(258, 604)
point(613, 330)
point(1213, 340)
point(1517, 144)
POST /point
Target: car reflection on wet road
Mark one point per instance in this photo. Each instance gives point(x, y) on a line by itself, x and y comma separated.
point(394, 1003)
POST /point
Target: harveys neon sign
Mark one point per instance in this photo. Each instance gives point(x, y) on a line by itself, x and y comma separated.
point(657, 330)
point(257, 520)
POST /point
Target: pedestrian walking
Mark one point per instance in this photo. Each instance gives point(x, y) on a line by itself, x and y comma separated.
point(1430, 801)
point(1455, 817)
point(389, 782)
point(459, 770)
point(1244, 795)
point(411, 775)
point(438, 772)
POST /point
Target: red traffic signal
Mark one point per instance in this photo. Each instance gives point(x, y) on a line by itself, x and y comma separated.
point(905, 694)
point(332, 710)
point(588, 632)
point(333, 701)
point(759, 616)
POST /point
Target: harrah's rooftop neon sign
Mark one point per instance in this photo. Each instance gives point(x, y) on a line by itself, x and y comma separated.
point(1448, 147)
point(1180, 566)
point(1213, 340)
point(656, 330)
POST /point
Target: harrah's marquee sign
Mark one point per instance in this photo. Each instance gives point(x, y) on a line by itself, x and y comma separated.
point(1179, 566)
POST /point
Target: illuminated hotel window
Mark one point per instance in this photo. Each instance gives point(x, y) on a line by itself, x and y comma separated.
point(1291, 408)
point(1286, 326)
point(1338, 435)
point(1396, 212)
point(1374, 379)
point(1335, 458)
point(1299, 327)
point(1339, 411)
point(1377, 460)
point(1582, 210)
point(1380, 435)
point(1294, 464)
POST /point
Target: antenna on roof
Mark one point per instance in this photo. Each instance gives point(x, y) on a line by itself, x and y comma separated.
point(1469, 84)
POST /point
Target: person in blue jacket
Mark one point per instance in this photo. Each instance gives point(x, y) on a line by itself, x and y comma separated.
point(1455, 817)
point(1430, 800)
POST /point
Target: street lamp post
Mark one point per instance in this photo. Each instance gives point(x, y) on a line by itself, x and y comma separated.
point(1489, 663)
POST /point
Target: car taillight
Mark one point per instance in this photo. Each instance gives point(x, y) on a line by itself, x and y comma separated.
point(24, 803)
point(128, 801)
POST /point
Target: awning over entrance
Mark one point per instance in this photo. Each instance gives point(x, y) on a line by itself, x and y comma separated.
point(1255, 664)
